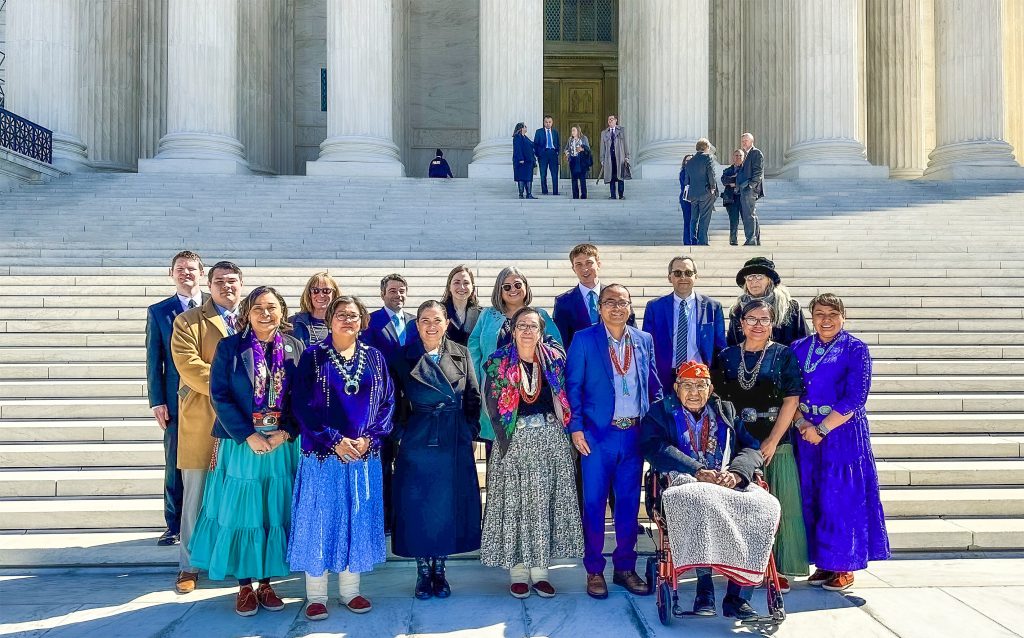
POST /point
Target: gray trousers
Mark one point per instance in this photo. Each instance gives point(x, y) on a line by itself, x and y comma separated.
point(748, 212)
point(700, 219)
point(193, 482)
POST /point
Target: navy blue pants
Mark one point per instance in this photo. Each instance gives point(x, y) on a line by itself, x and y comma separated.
point(173, 487)
point(548, 163)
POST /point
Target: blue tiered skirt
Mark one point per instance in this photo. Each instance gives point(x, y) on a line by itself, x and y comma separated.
point(337, 516)
point(242, 531)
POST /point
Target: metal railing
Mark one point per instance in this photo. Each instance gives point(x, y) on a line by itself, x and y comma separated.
point(27, 138)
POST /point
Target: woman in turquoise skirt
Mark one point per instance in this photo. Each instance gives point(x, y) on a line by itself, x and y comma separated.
point(242, 531)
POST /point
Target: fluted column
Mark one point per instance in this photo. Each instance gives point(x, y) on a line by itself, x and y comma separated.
point(896, 89)
point(1013, 62)
point(360, 124)
point(631, 70)
point(766, 90)
point(727, 65)
point(970, 106)
point(109, 73)
point(152, 75)
point(828, 92)
point(511, 80)
point(43, 71)
point(255, 64)
point(202, 90)
point(673, 42)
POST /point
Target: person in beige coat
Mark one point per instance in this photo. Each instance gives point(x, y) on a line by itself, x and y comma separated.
point(194, 340)
point(615, 157)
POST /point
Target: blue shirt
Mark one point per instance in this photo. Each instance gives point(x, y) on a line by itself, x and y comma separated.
point(225, 316)
point(626, 387)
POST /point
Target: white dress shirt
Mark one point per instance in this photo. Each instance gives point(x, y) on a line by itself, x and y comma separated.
point(692, 351)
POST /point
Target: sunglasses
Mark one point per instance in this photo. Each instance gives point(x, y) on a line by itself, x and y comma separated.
point(683, 273)
point(517, 285)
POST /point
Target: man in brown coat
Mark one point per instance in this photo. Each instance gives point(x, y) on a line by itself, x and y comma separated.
point(615, 157)
point(194, 340)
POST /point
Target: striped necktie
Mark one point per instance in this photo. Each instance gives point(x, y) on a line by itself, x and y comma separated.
point(682, 336)
point(592, 306)
point(191, 304)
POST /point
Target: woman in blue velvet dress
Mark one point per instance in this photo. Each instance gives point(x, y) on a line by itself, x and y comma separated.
point(242, 529)
point(343, 399)
point(839, 482)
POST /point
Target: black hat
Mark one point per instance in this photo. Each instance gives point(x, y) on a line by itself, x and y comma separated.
point(758, 265)
point(438, 153)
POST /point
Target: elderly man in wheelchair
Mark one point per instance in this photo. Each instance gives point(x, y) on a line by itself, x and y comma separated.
point(703, 494)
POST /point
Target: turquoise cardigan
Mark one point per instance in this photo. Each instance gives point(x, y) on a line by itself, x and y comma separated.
point(483, 342)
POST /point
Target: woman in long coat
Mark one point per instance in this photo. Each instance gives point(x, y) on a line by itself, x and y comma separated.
point(614, 157)
point(523, 160)
point(435, 491)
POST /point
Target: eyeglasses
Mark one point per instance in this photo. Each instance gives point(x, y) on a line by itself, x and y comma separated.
point(517, 285)
point(755, 277)
point(345, 318)
point(527, 327)
point(683, 273)
point(321, 291)
point(612, 303)
point(695, 387)
point(757, 321)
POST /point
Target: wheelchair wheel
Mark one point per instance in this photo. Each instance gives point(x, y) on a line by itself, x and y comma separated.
point(776, 604)
point(664, 603)
point(651, 574)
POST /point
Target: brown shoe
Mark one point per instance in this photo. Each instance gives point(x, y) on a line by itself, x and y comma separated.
point(316, 611)
point(839, 581)
point(269, 600)
point(359, 605)
point(186, 583)
point(544, 589)
point(628, 578)
point(519, 590)
point(819, 577)
point(596, 587)
point(246, 603)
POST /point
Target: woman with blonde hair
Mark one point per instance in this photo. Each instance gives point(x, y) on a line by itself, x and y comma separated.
point(309, 324)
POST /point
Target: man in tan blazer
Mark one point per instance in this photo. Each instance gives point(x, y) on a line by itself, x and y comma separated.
point(194, 340)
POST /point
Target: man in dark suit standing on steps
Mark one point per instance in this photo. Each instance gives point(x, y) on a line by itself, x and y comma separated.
point(701, 190)
point(162, 377)
point(547, 146)
point(750, 186)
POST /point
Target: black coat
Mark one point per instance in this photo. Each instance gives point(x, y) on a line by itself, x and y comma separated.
point(795, 328)
point(523, 158)
point(435, 492)
point(459, 332)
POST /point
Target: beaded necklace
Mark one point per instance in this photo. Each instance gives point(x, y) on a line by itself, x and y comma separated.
point(627, 360)
point(821, 350)
point(702, 448)
point(351, 370)
point(747, 378)
point(529, 382)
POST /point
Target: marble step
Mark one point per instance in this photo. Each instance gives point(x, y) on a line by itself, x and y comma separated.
point(74, 409)
point(41, 455)
point(67, 431)
point(81, 513)
point(949, 423)
point(937, 472)
point(945, 402)
point(65, 388)
point(945, 502)
point(946, 447)
point(97, 370)
point(77, 354)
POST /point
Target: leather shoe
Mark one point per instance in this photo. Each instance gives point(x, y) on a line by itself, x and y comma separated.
point(519, 590)
point(628, 578)
point(596, 586)
point(544, 589)
point(246, 603)
point(440, 583)
point(316, 611)
point(268, 598)
point(186, 583)
point(735, 607)
point(704, 604)
point(167, 538)
point(359, 605)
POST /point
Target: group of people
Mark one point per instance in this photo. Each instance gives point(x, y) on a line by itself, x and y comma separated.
point(295, 443)
point(545, 149)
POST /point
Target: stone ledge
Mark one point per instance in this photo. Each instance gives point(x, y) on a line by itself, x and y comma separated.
point(16, 168)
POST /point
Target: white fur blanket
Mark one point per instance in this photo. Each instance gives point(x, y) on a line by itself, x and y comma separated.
point(731, 531)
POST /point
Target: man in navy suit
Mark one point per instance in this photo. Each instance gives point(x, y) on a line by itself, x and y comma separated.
point(546, 145)
point(611, 382)
point(750, 187)
point(162, 377)
point(685, 325)
point(576, 308)
point(389, 330)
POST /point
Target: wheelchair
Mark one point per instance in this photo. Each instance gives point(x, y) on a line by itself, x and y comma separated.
point(663, 576)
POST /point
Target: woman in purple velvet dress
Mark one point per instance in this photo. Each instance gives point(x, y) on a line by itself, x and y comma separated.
point(838, 479)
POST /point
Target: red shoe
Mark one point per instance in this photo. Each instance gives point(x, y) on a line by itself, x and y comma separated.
point(359, 605)
point(544, 589)
point(519, 590)
point(316, 611)
point(783, 584)
point(839, 581)
point(268, 599)
point(246, 603)
point(819, 577)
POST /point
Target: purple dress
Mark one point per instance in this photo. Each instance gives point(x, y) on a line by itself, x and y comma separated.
point(838, 479)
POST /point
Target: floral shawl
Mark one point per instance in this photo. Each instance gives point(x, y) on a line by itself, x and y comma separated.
point(266, 373)
point(502, 385)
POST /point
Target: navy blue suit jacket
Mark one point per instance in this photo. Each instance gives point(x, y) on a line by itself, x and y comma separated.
point(540, 141)
point(231, 386)
point(589, 377)
point(381, 333)
point(659, 322)
point(572, 315)
point(161, 376)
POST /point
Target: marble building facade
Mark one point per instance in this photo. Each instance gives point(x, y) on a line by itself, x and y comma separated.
point(831, 88)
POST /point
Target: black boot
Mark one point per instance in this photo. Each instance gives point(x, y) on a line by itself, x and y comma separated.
point(424, 576)
point(441, 588)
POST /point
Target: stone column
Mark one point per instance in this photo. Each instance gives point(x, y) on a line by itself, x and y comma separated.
point(896, 86)
point(42, 78)
point(109, 72)
point(1013, 62)
point(727, 73)
point(673, 40)
point(360, 125)
point(202, 91)
point(255, 65)
point(511, 80)
point(970, 101)
point(152, 75)
point(766, 89)
point(631, 71)
point(828, 92)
